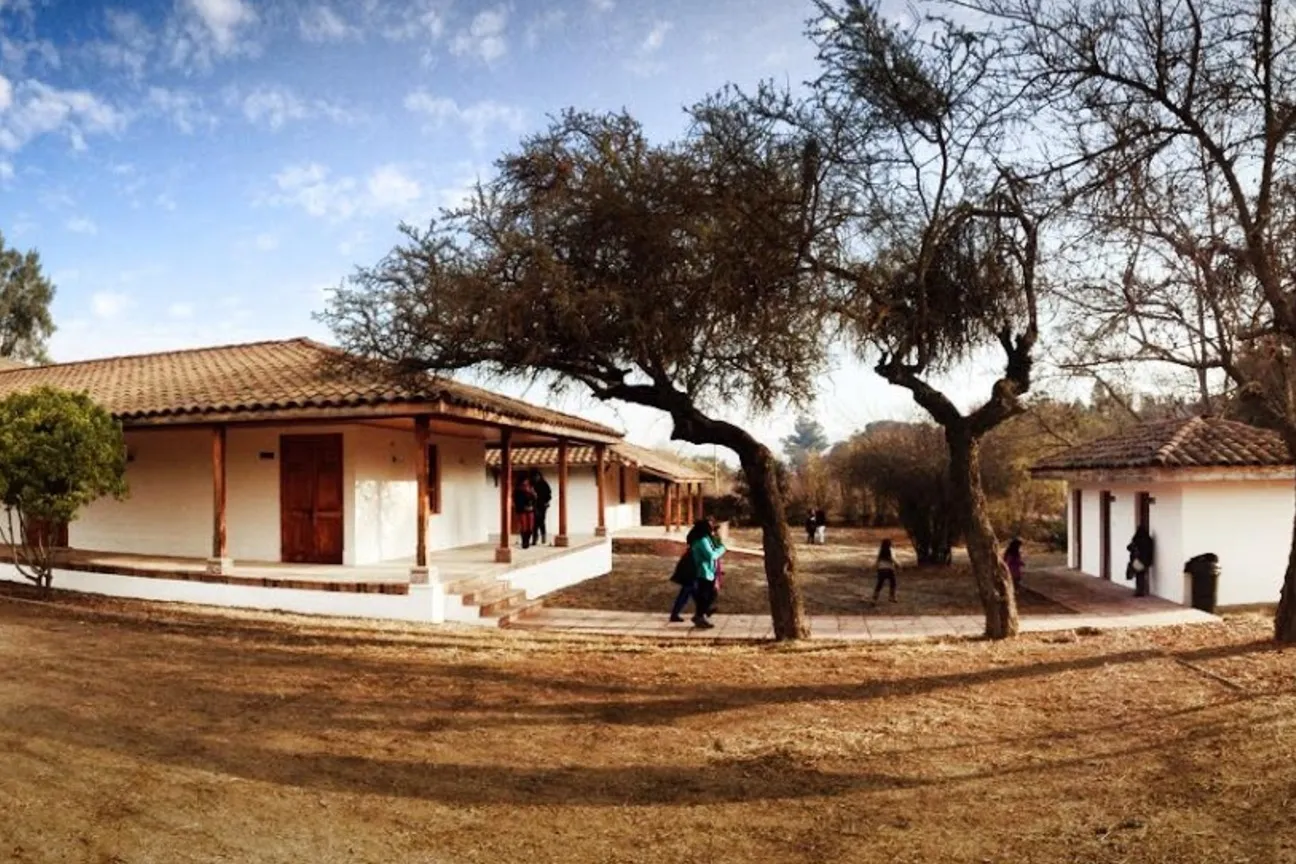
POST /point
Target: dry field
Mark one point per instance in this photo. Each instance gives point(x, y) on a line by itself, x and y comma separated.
point(835, 578)
point(137, 733)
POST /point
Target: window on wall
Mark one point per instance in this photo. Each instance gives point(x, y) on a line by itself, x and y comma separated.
point(433, 479)
point(621, 487)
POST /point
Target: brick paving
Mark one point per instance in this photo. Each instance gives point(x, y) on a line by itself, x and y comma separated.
point(1092, 603)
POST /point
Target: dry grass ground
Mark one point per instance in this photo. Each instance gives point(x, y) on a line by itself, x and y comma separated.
point(837, 577)
point(131, 733)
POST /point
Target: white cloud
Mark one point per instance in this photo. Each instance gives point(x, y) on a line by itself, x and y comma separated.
point(479, 118)
point(108, 304)
point(275, 106)
point(6, 93)
point(421, 20)
point(266, 242)
point(180, 311)
point(82, 225)
point(6, 170)
point(602, 5)
point(645, 62)
point(544, 23)
point(184, 109)
point(165, 201)
point(484, 37)
point(391, 189)
point(655, 37)
point(322, 24)
point(202, 31)
point(129, 46)
point(312, 187)
point(17, 52)
point(36, 109)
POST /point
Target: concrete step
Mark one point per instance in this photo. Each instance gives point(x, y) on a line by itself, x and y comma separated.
point(516, 616)
point(506, 602)
point(480, 595)
point(471, 584)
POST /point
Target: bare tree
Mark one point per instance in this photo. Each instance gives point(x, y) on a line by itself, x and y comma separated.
point(939, 243)
point(671, 276)
point(1174, 126)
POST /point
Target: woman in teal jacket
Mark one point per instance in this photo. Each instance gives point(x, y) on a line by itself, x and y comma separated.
point(706, 551)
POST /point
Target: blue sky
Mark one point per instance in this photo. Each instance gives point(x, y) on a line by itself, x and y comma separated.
point(198, 172)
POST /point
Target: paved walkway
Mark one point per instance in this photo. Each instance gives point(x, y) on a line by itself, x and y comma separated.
point(1093, 603)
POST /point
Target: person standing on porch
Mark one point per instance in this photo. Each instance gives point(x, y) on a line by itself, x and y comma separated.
point(1142, 550)
point(544, 495)
point(524, 503)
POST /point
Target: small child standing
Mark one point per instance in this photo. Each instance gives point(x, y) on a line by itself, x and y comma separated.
point(1016, 563)
point(886, 571)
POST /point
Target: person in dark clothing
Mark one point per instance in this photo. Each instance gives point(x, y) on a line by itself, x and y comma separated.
point(886, 571)
point(544, 495)
point(821, 526)
point(688, 587)
point(1142, 550)
point(811, 524)
point(524, 503)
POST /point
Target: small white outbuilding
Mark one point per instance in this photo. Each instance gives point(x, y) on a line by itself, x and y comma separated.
point(1200, 484)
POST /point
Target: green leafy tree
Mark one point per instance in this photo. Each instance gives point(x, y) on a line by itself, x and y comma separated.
point(807, 439)
point(25, 296)
point(59, 451)
point(667, 275)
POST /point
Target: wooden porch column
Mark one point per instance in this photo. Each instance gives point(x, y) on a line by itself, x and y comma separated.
point(681, 500)
point(420, 526)
point(504, 552)
point(666, 506)
point(220, 561)
point(600, 457)
point(695, 502)
point(561, 539)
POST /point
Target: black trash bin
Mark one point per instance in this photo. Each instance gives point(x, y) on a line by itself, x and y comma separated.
point(1204, 571)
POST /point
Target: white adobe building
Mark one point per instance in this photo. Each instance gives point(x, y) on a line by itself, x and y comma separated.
point(1200, 484)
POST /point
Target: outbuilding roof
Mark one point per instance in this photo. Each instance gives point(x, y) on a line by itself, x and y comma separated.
point(285, 379)
point(1181, 442)
point(623, 452)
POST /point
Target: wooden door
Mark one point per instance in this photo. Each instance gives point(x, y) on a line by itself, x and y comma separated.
point(38, 532)
point(310, 496)
point(1104, 534)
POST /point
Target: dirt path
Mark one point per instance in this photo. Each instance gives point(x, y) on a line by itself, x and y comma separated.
point(131, 733)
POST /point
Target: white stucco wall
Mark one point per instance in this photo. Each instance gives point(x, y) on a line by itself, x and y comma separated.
point(1165, 526)
point(582, 501)
point(1247, 523)
point(169, 511)
point(1249, 526)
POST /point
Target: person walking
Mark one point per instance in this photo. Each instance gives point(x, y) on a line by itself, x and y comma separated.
point(524, 502)
point(821, 526)
point(544, 495)
point(811, 527)
point(1015, 561)
point(886, 571)
point(685, 574)
point(706, 552)
point(1142, 551)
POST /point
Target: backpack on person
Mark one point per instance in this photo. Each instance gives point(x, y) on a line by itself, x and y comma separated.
point(685, 570)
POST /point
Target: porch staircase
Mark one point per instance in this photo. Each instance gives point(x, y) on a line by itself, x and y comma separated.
point(494, 598)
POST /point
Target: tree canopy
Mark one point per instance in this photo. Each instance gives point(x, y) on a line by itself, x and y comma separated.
point(25, 297)
point(59, 451)
point(807, 439)
point(671, 275)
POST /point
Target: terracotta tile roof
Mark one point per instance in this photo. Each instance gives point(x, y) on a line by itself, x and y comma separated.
point(648, 461)
point(7, 363)
point(263, 378)
point(1183, 442)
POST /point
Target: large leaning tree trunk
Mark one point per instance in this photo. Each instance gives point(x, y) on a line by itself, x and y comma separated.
point(766, 499)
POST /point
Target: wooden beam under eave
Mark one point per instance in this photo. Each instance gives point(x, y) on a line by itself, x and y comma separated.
point(421, 467)
point(504, 552)
point(562, 538)
point(219, 562)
